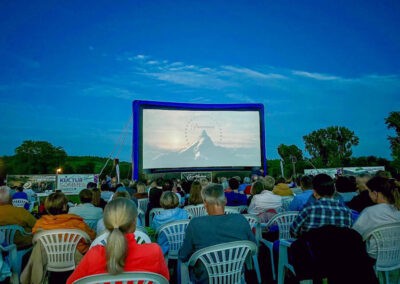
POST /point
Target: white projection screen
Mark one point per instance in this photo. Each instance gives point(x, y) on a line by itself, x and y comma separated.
point(173, 136)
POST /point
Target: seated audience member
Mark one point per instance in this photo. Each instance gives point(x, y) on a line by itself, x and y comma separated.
point(214, 228)
point(10, 215)
point(141, 191)
point(170, 202)
point(106, 193)
point(233, 197)
point(385, 194)
point(325, 211)
point(195, 194)
point(362, 200)
point(96, 198)
point(264, 203)
point(301, 199)
point(282, 188)
point(20, 194)
point(86, 209)
point(58, 218)
point(154, 197)
point(346, 188)
point(28, 190)
point(121, 252)
point(246, 182)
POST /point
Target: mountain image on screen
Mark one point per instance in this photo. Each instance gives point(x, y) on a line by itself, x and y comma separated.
point(204, 153)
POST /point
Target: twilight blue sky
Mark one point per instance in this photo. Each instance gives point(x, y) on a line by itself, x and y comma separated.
point(70, 69)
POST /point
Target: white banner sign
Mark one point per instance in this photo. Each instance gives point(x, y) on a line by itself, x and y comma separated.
point(347, 171)
point(75, 183)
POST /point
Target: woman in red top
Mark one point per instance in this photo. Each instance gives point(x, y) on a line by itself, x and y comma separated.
point(121, 253)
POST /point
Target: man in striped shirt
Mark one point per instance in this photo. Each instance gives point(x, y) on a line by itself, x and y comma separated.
point(326, 211)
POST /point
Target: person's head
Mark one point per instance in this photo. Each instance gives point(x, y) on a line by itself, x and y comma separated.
point(119, 218)
point(384, 190)
point(280, 180)
point(233, 183)
point(105, 187)
point(86, 196)
point(204, 182)
point(246, 180)
point(213, 195)
point(268, 182)
point(257, 187)
point(123, 194)
point(169, 200)
point(306, 182)
point(344, 184)
point(195, 193)
point(141, 187)
point(56, 203)
point(4, 195)
point(323, 185)
point(91, 185)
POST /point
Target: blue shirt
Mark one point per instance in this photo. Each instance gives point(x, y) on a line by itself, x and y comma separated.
point(300, 200)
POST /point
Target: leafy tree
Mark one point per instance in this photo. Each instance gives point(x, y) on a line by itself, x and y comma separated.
point(289, 154)
point(332, 144)
point(38, 157)
point(393, 121)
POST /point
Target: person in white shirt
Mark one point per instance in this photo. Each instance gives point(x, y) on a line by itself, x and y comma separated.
point(385, 193)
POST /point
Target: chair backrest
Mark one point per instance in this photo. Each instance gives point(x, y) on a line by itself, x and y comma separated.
point(92, 223)
point(60, 246)
point(123, 278)
point(386, 239)
point(142, 204)
point(235, 209)
point(283, 220)
point(196, 210)
point(286, 200)
point(19, 202)
point(154, 212)
point(175, 233)
point(141, 216)
point(141, 237)
point(224, 262)
point(9, 232)
point(254, 222)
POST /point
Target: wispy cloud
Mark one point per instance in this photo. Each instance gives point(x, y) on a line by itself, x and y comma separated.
point(316, 76)
point(253, 74)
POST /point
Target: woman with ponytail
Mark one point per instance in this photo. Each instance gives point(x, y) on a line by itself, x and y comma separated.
point(385, 193)
point(121, 253)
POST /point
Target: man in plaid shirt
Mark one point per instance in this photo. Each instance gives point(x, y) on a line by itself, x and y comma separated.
point(325, 211)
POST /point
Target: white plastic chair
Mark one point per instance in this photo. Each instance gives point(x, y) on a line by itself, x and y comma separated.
point(124, 278)
point(386, 241)
point(175, 233)
point(9, 232)
point(141, 216)
point(142, 204)
point(154, 212)
point(235, 209)
point(224, 262)
point(60, 246)
point(255, 225)
point(196, 210)
point(141, 237)
point(283, 220)
point(19, 202)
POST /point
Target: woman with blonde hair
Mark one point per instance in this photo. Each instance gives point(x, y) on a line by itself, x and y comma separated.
point(195, 193)
point(122, 252)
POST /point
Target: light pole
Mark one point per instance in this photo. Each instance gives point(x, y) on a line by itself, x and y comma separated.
point(58, 171)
